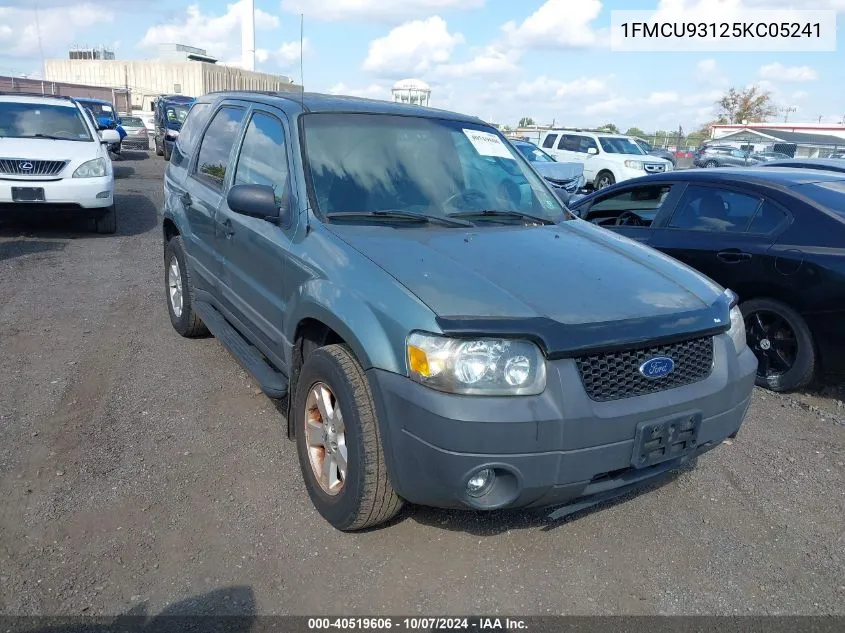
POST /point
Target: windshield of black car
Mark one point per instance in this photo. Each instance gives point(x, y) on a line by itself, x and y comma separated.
point(380, 162)
point(176, 115)
point(25, 120)
point(616, 145)
point(100, 110)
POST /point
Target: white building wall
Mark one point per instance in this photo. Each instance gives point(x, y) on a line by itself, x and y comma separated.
point(147, 79)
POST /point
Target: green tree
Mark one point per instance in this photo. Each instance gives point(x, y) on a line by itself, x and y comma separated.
point(526, 121)
point(635, 131)
point(748, 104)
point(609, 127)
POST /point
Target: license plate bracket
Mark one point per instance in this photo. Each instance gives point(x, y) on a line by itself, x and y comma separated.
point(661, 440)
point(27, 194)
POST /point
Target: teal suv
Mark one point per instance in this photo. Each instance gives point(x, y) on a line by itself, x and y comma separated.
point(442, 329)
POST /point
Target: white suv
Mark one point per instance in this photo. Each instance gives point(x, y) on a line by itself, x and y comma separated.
point(53, 159)
point(608, 158)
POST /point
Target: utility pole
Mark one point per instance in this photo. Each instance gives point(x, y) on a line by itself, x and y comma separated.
point(786, 112)
point(40, 48)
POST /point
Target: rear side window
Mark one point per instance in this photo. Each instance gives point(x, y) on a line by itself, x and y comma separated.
point(549, 142)
point(216, 146)
point(828, 194)
point(192, 127)
point(713, 209)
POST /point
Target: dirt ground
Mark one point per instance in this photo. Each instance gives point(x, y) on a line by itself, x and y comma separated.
point(139, 470)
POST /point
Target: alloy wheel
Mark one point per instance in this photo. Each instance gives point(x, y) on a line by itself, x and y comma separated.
point(174, 286)
point(773, 342)
point(325, 438)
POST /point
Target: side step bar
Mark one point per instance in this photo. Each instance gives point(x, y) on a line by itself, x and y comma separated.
point(273, 383)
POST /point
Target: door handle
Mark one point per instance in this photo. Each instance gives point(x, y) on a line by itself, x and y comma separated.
point(227, 228)
point(186, 199)
point(733, 256)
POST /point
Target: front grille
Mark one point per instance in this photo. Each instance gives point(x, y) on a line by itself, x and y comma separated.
point(569, 185)
point(655, 168)
point(617, 375)
point(25, 167)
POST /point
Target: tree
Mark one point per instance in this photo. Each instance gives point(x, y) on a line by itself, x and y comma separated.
point(635, 131)
point(526, 121)
point(749, 104)
point(609, 127)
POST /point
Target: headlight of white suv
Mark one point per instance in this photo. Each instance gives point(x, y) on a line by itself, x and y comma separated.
point(737, 331)
point(484, 367)
point(92, 169)
point(634, 164)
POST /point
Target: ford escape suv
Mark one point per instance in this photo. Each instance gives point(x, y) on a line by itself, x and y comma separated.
point(445, 332)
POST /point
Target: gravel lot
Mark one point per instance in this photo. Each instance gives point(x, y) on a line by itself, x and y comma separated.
point(139, 470)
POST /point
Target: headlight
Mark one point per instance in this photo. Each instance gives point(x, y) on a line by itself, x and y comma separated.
point(634, 164)
point(91, 169)
point(581, 181)
point(488, 367)
point(737, 331)
point(172, 133)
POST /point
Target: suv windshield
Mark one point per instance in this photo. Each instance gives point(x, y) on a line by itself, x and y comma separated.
point(534, 153)
point(175, 114)
point(42, 120)
point(380, 162)
point(613, 145)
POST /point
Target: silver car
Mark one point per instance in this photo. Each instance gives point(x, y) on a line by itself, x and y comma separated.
point(137, 136)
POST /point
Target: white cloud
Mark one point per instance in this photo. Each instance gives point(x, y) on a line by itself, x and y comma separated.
point(490, 62)
point(662, 98)
point(780, 72)
point(220, 35)
point(380, 10)
point(799, 95)
point(608, 107)
point(545, 88)
point(412, 48)
point(706, 67)
point(556, 24)
point(59, 26)
point(373, 91)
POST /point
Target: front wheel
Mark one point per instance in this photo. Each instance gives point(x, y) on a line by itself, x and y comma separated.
point(339, 444)
point(710, 164)
point(159, 151)
point(782, 343)
point(106, 222)
point(604, 179)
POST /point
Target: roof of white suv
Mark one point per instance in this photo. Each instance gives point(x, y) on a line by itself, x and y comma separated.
point(36, 99)
point(588, 133)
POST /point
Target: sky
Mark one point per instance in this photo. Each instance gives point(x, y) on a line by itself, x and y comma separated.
point(496, 59)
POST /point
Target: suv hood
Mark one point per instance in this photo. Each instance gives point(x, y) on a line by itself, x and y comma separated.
point(569, 274)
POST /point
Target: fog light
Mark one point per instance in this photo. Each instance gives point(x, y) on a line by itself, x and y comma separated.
point(104, 194)
point(480, 483)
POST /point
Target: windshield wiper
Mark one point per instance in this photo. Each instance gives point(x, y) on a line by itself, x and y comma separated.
point(48, 136)
point(501, 214)
point(400, 215)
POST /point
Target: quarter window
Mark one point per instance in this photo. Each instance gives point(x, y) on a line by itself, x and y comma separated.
point(263, 160)
point(197, 117)
point(549, 141)
point(217, 145)
point(768, 218)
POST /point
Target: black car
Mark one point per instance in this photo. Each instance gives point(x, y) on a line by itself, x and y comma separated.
point(826, 164)
point(660, 152)
point(775, 236)
point(723, 156)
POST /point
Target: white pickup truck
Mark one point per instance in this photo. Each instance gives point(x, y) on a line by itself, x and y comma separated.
point(607, 158)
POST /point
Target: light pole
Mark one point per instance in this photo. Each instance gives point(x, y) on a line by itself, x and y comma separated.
point(40, 48)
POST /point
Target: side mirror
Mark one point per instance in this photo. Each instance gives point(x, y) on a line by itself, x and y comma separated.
point(257, 201)
point(109, 137)
point(592, 150)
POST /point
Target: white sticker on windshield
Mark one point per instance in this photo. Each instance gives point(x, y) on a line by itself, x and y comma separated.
point(106, 108)
point(488, 144)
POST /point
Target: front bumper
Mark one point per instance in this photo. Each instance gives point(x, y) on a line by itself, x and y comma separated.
point(548, 449)
point(66, 193)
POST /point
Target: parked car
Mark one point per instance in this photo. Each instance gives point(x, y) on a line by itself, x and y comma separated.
point(567, 179)
point(149, 120)
point(723, 156)
point(826, 164)
point(106, 117)
point(447, 332)
point(838, 155)
point(54, 160)
point(651, 150)
point(765, 157)
point(775, 236)
point(607, 158)
point(137, 136)
point(170, 112)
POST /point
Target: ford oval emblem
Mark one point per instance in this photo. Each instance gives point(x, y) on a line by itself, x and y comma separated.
point(25, 166)
point(657, 367)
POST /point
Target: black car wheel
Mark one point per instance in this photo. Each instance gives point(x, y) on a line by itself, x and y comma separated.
point(782, 343)
point(710, 164)
point(159, 151)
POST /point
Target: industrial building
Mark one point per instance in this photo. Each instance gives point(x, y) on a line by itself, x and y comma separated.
point(118, 96)
point(801, 144)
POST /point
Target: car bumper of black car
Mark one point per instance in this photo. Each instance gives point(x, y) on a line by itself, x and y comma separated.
point(551, 449)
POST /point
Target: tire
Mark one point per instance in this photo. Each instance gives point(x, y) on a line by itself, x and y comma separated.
point(106, 223)
point(604, 179)
point(159, 150)
point(365, 496)
point(184, 319)
point(803, 367)
point(167, 153)
point(710, 164)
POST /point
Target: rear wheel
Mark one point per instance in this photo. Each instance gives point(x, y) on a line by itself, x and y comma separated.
point(339, 444)
point(782, 343)
point(106, 222)
point(159, 151)
point(180, 291)
point(710, 164)
point(167, 152)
